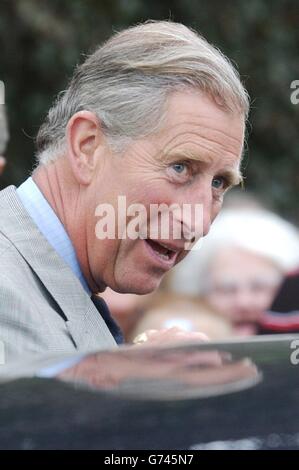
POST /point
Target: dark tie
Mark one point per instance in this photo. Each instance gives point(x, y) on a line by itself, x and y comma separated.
point(103, 309)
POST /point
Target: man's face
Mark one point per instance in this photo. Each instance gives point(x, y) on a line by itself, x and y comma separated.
point(192, 160)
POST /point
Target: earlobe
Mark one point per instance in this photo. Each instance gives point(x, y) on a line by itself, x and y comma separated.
point(83, 139)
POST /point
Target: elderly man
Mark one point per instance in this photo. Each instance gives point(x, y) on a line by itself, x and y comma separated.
point(156, 115)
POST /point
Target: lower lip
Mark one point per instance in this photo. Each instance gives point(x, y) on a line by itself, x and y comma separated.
point(163, 263)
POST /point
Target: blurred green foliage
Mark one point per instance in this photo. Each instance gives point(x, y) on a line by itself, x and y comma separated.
point(42, 40)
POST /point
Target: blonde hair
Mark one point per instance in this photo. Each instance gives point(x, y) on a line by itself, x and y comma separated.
point(166, 310)
point(126, 83)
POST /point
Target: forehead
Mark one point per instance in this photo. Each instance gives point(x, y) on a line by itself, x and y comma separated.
point(199, 107)
point(195, 125)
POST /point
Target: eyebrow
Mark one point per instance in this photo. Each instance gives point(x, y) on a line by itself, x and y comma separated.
point(234, 177)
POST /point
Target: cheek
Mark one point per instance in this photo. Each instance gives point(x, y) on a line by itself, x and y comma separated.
point(222, 302)
point(223, 305)
point(103, 254)
point(265, 299)
point(152, 193)
point(216, 208)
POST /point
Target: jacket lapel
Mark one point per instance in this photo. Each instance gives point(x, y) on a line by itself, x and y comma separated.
point(85, 324)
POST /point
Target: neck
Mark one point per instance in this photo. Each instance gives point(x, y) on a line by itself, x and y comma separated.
point(66, 196)
point(54, 188)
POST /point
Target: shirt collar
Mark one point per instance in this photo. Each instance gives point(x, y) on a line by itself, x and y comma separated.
point(50, 226)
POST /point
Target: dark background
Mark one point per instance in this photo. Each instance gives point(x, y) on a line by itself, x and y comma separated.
point(42, 40)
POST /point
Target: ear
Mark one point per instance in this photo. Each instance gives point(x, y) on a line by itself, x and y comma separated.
point(84, 136)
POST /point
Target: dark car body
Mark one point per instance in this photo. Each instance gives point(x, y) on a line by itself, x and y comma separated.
point(166, 398)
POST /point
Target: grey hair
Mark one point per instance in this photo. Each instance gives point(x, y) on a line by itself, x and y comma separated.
point(126, 83)
point(4, 134)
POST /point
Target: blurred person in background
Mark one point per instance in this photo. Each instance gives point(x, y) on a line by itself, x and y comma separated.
point(240, 265)
point(169, 310)
point(3, 137)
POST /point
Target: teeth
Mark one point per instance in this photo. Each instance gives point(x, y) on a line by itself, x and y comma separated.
point(166, 257)
point(161, 250)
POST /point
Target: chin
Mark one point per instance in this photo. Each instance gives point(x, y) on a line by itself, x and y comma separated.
point(138, 286)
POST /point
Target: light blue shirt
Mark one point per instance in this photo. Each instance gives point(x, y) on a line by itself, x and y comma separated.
point(50, 226)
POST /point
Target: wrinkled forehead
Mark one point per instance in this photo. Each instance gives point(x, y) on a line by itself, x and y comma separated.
point(192, 117)
point(185, 106)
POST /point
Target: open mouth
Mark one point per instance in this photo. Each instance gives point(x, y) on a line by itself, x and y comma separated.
point(162, 251)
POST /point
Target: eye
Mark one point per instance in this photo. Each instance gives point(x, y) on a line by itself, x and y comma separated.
point(219, 183)
point(180, 172)
point(179, 167)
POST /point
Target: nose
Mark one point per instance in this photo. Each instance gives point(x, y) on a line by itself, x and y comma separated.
point(208, 213)
point(207, 219)
point(203, 209)
point(196, 219)
point(210, 205)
